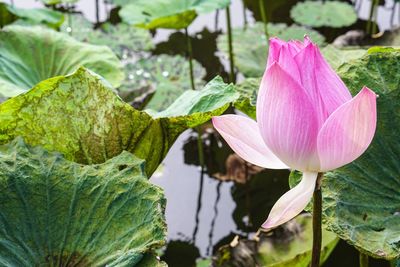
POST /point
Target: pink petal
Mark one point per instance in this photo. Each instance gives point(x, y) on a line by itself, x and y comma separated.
point(323, 85)
point(276, 45)
point(292, 202)
point(274, 50)
point(243, 136)
point(287, 120)
point(287, 62)
point(348, 132)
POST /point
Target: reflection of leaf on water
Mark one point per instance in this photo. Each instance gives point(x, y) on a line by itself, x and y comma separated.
point(179, 253)
point(204, 50)
point(288, 245)
point(255, 199)
point(215, 152)
point(277, 11)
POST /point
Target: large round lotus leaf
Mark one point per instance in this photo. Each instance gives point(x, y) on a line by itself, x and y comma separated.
point(248, 90)
point(338, 56)
point(55, 212)
point(29, 55)
point(9, 14)
point(167, 76)
point(125, 40)
point(324, 13)
point(361, 201)
point(80, 116)
point(250, 47)
point(289, 246)
point(175, 14)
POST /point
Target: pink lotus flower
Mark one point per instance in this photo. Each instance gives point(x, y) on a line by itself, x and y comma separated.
point(307, 120)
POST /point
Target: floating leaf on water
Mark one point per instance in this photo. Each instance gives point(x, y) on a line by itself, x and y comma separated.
point(361, 202)
point(32, 16)
point(125, 40)
point(324, 13)
point(57, 212)
point(289, 245)
point(250, 47)
point(29, 55)
point(177, 14)
point(165, 76)
point(80, 116)
point(338, 56)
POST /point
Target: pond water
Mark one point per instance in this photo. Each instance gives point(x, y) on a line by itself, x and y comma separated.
point(204, 212)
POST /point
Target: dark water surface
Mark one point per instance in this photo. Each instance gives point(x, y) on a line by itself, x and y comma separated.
point(203, 212)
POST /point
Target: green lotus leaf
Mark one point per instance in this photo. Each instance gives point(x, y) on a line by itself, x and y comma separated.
point(29, 55)
point(248, 90)
point(9, 14)
point(333, 14)
point(80, 116)
point(361, 201)
point(336, 57)
point(125, 40)
point(55, 2)
point(167, 76)
point(55, 212)
point(177, 14)
point(289, 247)
point(149, 260)
point(250, 47)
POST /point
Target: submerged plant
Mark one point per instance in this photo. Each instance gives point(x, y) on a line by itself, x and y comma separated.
point(306, 120)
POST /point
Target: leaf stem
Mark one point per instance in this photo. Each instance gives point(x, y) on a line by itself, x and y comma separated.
point(190, 53)
point(317, 224)
point(364, 260)
point(264, 18)
point(245, 22)
point(231, 60)
point(97, 11)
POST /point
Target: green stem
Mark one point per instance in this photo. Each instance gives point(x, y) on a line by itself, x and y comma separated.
point(364, 260)
point(244, 16)
point(372, 11)
point(264, 17)
point(231, 60)
point(97, 11)
point(190, 53)
point(69, 18)
point(317, 223)
point(374, 25)
point(216, 20)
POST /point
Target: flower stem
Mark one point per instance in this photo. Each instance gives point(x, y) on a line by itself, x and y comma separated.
point(364, 260)
point(190, 53)
point(232, 64)
point(264, 18)
point(97, 12)
point(317, 225)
